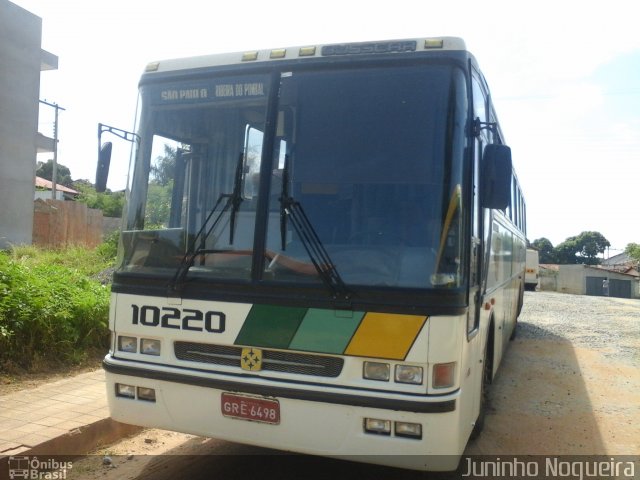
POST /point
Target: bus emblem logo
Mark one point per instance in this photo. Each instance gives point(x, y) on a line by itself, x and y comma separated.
point(251, 359)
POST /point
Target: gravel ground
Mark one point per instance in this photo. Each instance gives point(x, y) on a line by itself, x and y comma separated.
point(569, 384)
point(603, 323)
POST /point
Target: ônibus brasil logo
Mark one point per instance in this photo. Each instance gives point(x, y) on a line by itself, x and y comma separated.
point(37, 469)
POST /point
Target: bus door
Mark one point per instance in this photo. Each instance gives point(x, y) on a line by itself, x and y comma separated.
point(477, 246)
point(478, 240)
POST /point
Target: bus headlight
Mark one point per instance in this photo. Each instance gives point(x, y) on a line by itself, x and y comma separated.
point(376, 371)
point(149, 346)
point(408, 374)
point(127, 344)
point(126, 391)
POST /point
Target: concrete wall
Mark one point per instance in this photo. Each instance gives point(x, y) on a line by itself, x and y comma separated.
point(573, 279)
point(46, 195)
point(548, 280)
point(21, 58)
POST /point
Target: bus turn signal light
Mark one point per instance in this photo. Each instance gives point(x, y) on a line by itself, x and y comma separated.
point(444, 375)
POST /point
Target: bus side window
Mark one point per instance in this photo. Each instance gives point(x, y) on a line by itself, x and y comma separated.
point(480, 103)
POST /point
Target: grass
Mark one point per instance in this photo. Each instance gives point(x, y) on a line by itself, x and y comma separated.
point(52, 310)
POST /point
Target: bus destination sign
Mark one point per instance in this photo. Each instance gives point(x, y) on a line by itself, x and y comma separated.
point(222, 89)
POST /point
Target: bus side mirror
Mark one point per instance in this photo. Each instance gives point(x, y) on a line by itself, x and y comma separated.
point(497, 171)
point(102, 170)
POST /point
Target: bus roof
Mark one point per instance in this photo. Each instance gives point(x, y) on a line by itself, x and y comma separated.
point(385, 47)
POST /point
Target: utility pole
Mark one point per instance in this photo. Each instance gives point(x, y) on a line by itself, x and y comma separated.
point(54, 173)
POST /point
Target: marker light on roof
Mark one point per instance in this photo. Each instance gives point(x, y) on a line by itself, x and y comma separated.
point(278, 53)
point(249, 56)
point(433, 43)
point(307, 52)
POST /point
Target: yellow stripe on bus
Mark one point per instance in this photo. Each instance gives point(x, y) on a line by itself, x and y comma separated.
point(454, 205)
point(385, 335)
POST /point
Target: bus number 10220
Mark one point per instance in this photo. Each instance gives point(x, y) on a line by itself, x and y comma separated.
point(179, 319)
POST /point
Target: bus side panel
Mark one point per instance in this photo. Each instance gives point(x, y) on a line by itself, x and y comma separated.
point(471, 374)
point(447, 336)
point(504, 283)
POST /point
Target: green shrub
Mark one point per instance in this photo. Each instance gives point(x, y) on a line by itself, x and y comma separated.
point(51, 310)
point(108, 249)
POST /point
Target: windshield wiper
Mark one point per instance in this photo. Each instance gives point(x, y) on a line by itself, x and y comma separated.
point(234, 199)
point(291, 208)
point(284, 195)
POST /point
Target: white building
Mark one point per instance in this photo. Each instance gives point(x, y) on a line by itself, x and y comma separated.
point(590, 280)
point(21, 60)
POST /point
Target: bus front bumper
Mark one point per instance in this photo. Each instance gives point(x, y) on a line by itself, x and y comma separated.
point(308, 421)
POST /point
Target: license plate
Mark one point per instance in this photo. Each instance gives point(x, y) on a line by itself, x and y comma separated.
point(250, 408)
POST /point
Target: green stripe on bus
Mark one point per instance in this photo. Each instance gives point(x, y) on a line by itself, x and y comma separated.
point(270, 326)
point(326, 331)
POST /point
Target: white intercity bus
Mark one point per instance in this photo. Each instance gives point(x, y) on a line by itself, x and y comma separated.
point(323, 251)
point(532, 269)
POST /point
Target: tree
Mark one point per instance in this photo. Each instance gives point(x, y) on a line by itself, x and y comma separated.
point(591, 245)
point(633, 250)
point(565, 252)
point(163, 169)
point(582, 249)
point(45, 170)
point(158, 206)
point(159, 192)
point(111, 203)
point(545, 250)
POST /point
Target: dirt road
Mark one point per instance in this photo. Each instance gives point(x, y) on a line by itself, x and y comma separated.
point(569, 385)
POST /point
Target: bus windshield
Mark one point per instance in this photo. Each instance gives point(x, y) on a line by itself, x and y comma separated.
point(370, 158)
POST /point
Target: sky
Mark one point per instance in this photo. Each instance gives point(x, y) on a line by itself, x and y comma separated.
point(564, 76)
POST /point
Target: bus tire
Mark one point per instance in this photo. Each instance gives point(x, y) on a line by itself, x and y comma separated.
point(514, 333)
point(520, 304)
point(520, 299)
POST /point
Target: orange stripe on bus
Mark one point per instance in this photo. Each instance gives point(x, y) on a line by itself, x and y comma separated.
point(385, 335)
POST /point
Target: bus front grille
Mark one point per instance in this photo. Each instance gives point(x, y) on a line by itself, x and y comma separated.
point(272, 360)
